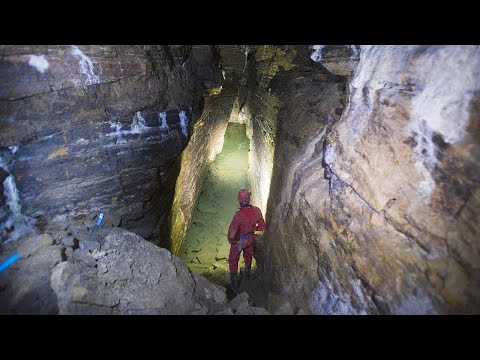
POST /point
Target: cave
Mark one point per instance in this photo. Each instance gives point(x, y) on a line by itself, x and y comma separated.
point(205, 249)
point(120, 167)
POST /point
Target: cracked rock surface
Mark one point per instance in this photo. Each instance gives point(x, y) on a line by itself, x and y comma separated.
point(133, 276)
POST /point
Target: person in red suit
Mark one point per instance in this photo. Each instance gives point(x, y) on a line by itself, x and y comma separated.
point(245, 222)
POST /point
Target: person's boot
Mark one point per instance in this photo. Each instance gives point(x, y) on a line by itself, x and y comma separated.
point(233, 282)
point(247, 270)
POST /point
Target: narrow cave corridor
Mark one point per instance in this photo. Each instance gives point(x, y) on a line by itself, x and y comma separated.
point(206, 246)
point(120, 166)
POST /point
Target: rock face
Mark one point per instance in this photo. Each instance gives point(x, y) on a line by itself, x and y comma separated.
point(205, 143)
point(206, 248)
point(375, 212)
point(13, 224)
point(261, 112)
point(25, 285)
point(337, 59)
point(133, 276)
point(100, 128)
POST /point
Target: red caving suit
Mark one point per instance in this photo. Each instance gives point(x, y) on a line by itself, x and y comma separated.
point(244, 222)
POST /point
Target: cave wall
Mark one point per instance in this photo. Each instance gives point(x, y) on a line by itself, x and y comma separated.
point(261, 111)
point(205, 143)
point(291, 99)
point(234, 64)
point(375, 193)
point(101, 128)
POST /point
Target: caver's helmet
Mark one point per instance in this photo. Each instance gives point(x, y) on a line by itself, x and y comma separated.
point(244, 196)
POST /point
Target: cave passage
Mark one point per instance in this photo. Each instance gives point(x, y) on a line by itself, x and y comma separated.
point(206, 246)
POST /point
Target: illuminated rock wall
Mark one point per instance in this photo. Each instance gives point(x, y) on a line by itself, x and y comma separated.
point(374, 201)
point(206, 142)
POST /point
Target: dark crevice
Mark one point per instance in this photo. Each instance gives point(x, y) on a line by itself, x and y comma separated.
point(64, 255)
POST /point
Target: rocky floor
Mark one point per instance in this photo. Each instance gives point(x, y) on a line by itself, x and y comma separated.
point(75, 267)
point(25, 285)
point(206, 247)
